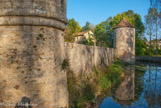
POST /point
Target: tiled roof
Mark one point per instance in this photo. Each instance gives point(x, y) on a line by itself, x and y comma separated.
point(124, 23)
point(81, 33)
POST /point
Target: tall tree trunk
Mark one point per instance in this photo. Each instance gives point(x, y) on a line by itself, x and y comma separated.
point(156, 37)
point(150, 39)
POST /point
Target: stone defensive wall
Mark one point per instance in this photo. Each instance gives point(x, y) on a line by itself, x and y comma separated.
point(82, 58)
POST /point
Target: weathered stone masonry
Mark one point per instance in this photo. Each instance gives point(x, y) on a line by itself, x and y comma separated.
point(31, 53)
point(124, 41)
point(82, 58)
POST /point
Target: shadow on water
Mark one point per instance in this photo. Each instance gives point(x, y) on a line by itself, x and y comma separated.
point(140, 88)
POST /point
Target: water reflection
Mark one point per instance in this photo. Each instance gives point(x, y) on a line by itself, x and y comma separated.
point(125, 91)
point(140, 88)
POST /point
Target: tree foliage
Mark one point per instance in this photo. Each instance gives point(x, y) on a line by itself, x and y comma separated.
point(72, 28)
point(103, 34)
point(88, 27)
point(133, 18)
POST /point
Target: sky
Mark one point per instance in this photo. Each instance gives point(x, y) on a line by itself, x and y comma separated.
point(96, 11)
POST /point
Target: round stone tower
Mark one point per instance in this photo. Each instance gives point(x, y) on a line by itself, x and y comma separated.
point(124, 41)
point(32, 53)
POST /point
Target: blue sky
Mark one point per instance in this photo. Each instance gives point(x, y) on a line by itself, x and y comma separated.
point(96, 11)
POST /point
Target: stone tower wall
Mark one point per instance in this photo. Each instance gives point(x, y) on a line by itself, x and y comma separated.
point(32, 52)
point(124, 42)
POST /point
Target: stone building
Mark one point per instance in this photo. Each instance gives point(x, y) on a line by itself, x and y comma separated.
point(153, 43)
point(124, 41)
point(32, 52)
point(84, 36)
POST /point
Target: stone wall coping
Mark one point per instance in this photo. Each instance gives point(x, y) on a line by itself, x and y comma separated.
point(31, 21)
point(81, 45)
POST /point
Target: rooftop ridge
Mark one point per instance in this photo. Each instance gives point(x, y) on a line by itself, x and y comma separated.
point(124, 23)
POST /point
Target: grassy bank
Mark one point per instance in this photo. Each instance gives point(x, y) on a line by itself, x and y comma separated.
point(84, 91)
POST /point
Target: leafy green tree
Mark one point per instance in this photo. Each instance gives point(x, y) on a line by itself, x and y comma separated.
point(68, 35)
point(72, 28)
point(103, 33)
point(141, 47)
point(86, 27)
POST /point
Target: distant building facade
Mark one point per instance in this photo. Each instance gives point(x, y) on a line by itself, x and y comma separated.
point(84, 36)
point(153, 43)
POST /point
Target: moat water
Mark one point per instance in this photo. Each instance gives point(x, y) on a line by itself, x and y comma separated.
point(141, 88)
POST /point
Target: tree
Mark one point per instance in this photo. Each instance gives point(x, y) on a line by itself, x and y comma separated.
point(68, 35)
point(103, 33)
point(72, 28)
point(156, 28)
point(156, 18)
point(86, 27)
point(141, 47)
point(149, 26)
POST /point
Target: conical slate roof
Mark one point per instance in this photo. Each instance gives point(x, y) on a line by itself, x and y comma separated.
point(124, 23)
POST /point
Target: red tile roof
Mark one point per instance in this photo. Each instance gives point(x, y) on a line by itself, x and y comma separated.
point(124, 23)
point(81, 33)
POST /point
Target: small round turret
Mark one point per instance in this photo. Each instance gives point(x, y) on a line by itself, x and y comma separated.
point(124, 41)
